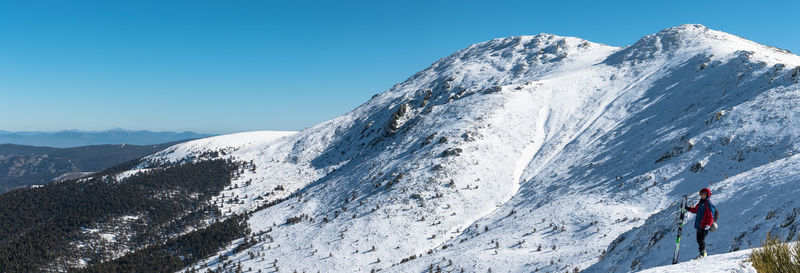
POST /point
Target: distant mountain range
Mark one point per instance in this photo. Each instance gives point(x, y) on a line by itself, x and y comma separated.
point(22, 165)
point(75, 138)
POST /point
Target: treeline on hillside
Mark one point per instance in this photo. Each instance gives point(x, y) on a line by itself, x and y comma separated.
point(178, 253)
point(40, 226)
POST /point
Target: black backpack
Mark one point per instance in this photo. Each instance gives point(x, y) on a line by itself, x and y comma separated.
point(716, 213)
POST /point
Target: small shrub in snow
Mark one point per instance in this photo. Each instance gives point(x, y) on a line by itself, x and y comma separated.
point(696, 167)
point(776, 255)
point(395, 180)
point(429, 139)
point(412, 257)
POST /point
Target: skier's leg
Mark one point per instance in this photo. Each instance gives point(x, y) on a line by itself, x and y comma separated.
point(701, 240)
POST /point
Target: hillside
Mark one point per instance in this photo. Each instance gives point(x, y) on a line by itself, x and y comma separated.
point(105, 215)
point(22, 165)
point(530, 153)
point(756, 202)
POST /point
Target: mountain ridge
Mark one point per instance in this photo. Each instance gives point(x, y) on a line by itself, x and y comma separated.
point(77, 138)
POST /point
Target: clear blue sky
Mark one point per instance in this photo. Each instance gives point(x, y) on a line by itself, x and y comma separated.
point(227, 66)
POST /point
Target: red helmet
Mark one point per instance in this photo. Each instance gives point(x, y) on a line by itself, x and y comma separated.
point(706, 191)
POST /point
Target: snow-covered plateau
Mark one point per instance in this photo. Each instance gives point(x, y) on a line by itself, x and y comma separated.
point(529, 154)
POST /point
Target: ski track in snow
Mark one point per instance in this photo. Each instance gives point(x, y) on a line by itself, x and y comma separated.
point(530, 150)
point(533, 148)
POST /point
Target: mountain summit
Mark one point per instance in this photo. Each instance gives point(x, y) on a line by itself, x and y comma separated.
point(517, 154)
point(691, 40)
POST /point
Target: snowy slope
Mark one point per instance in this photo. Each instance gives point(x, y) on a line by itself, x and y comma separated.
point(530, 153)
point(606, 180)
point(755, 203)
point(733, 262)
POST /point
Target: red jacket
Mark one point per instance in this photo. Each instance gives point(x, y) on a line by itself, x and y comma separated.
point(706, 216)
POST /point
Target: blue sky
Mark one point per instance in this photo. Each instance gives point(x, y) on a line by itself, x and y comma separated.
point(229, 66)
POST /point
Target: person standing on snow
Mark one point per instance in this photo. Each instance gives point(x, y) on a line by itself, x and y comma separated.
point(706, 215)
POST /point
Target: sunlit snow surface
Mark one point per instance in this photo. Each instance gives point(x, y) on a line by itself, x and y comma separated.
point(733, 262)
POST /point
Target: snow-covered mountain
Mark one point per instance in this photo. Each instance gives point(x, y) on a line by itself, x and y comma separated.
point(521, 154)
point(532, 152)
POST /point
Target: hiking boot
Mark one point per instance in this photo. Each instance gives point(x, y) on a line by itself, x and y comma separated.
point(702, 254)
